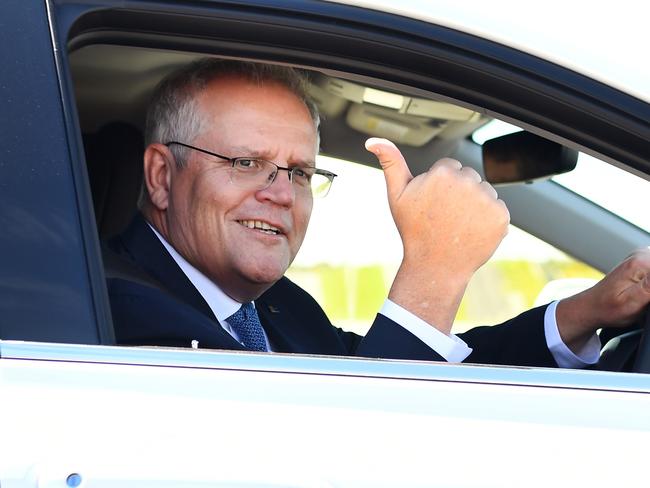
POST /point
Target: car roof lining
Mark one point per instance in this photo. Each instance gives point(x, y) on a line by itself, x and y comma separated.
point(114, 83)
point(139, 68)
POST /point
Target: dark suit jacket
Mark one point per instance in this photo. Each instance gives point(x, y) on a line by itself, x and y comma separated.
point(154, 303)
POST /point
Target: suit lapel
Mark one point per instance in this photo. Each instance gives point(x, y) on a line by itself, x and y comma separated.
point(285, 330)
point(147, 250)
point(277, 323)
point(283, 320)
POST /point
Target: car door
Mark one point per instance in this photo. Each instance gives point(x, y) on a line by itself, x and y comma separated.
point(82, 412)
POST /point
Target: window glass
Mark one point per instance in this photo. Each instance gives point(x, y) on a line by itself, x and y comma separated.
point(523, 273)
point(352, 251)
point(610, 187)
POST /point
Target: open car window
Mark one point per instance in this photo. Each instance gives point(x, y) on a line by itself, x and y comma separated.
point(112, 85)
point(352, 250)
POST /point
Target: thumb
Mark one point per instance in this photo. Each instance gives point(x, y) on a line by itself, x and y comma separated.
point(396, 170)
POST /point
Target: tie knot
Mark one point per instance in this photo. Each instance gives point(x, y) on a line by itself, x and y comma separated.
point(246, 323)
point(248, 310)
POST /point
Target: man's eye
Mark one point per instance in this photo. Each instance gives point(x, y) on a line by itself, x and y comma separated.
point(248, 164)
point(301, 175)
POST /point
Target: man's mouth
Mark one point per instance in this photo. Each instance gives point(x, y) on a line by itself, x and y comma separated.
point(261, 226)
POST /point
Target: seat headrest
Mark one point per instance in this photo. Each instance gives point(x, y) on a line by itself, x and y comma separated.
point(114, 157)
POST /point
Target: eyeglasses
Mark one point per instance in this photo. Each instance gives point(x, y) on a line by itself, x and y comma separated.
point(258, 174)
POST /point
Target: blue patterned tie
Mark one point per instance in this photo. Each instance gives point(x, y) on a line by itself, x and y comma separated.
point(246, 324)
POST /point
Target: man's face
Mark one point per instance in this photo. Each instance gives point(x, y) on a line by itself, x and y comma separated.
point(209, 218)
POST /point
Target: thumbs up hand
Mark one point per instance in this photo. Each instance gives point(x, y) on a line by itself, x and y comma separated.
point(450, 223)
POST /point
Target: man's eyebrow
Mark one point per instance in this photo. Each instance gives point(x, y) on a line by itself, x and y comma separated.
point(303, 164)
point(239, 151)
point(243, 151)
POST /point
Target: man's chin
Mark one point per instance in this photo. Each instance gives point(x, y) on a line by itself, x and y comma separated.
point(265, 275)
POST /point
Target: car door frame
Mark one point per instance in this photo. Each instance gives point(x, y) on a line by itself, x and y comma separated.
point(366, 44)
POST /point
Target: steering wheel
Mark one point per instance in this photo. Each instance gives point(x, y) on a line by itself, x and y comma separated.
point(629, 351)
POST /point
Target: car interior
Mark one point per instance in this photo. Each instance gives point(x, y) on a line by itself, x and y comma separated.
point(113, 82)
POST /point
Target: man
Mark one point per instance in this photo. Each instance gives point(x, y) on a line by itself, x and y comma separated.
point(228, 170)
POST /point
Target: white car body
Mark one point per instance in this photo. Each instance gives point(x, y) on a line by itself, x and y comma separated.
point(123, 417)
point(103, 416)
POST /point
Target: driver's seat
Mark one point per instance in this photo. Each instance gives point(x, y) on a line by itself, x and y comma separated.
point(114, 158)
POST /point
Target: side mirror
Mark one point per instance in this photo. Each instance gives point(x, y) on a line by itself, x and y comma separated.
point(523, 157)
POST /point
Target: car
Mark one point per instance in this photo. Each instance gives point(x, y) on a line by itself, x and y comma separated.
point(78, 410)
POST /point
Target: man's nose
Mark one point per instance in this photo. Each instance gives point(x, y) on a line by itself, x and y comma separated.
point(281, 190)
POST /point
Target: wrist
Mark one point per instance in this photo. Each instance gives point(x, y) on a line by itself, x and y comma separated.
point(434, 296)
point(575, 320)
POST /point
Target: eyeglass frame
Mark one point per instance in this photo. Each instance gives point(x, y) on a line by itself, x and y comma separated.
point(317, 171)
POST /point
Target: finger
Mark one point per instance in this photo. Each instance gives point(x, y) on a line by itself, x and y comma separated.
point(504, 209)
point(642, 255)
point(450, 163)
point(638, 295)
point(489, 189)
point(396, 170)
point(646, 284)
point(470, 173)
point(636, 267)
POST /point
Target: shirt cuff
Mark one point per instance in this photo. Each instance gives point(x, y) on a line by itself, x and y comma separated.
point(565, 357)
point(450, 347)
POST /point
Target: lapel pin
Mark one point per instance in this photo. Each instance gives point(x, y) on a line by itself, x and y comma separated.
point(273, 309)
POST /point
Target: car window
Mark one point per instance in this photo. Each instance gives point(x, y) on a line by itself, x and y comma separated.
point(352, 250)
point(610, 187)
point(351, 277)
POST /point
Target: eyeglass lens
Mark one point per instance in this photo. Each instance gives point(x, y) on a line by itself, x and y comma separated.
point(260, 174)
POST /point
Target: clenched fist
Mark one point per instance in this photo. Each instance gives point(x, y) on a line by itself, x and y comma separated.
point(450, 223)
point(616, 301)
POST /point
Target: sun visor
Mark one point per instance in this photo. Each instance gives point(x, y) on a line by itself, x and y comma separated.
point(329, 104)
point(399, 128)
point(400, 118)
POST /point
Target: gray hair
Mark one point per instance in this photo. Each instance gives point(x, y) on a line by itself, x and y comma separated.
point(174, 115)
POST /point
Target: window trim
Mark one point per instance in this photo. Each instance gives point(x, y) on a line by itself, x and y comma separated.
point(330, 366)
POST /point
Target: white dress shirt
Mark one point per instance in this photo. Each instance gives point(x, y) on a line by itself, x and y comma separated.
point(450, 347)
point(222, 305)
point(453, 349)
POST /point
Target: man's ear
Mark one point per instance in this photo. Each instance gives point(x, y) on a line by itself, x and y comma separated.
point(157, 174)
